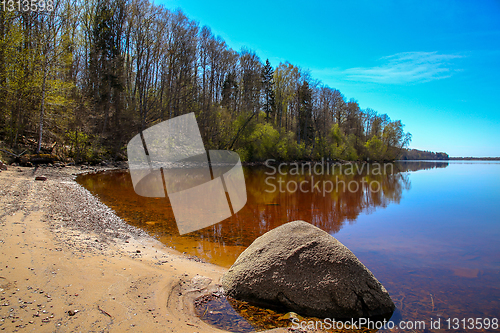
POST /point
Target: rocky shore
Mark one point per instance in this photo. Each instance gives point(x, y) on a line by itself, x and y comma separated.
point(69, 264)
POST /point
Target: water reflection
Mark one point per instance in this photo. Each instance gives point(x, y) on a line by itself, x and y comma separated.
point(430, 237)
point(420, 165)
point(328, 200)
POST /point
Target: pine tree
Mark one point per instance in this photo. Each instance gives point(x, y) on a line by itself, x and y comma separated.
point(269, 105)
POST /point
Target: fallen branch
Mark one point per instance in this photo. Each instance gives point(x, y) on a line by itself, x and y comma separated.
point(8, 152)
point(104, 312)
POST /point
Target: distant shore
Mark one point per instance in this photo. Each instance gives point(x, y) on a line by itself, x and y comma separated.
point(474, 159)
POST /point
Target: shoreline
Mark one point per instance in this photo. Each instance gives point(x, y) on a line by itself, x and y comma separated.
point(68, 263)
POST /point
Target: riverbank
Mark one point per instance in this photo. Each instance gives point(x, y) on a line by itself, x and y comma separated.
point(68, 263)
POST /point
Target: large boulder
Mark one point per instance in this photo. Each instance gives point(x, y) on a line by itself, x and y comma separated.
point(299, 267)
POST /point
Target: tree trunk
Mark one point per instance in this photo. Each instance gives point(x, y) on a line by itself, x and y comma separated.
point(40, 137)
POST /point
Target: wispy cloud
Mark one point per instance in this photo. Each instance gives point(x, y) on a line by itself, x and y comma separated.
point(407, 67)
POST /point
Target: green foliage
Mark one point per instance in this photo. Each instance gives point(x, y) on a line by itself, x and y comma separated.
point(320, 149)
point(348, 149)
point(376, 149)
point(263, 142)
point(245, 155)
point(290, 150)
point(93, 74)
point(415, 154)
point(82, 147)
point(336, 135)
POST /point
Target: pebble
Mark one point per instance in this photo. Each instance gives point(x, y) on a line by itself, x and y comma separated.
point(72, 312)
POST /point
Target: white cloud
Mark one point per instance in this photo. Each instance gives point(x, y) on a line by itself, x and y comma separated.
point(407, 67)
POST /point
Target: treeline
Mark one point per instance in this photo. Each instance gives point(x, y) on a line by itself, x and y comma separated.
point(415, 154)
point(475, 158)
point(83, 79)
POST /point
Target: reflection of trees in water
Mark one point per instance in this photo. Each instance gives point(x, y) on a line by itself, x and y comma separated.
point(403, 166)
point(265, 210)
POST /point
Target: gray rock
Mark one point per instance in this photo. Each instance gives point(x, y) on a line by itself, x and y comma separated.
point(3, 166)
point(299, 267)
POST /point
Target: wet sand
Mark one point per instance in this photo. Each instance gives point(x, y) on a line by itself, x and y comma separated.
point(69, 264)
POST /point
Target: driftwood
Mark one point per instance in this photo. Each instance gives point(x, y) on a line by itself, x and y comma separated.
point(38, 159)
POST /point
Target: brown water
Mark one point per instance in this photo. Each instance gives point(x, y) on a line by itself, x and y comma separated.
point(430, 234)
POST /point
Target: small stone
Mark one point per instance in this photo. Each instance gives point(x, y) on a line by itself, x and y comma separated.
point(71, 313)
point(41, 178)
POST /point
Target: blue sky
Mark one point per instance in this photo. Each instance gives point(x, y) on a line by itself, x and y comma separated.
point(433, 64)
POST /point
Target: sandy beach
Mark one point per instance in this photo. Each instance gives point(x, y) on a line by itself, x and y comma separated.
point(69, 264)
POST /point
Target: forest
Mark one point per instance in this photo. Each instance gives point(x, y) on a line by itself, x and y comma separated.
point(415, 154)
point(78, 81)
